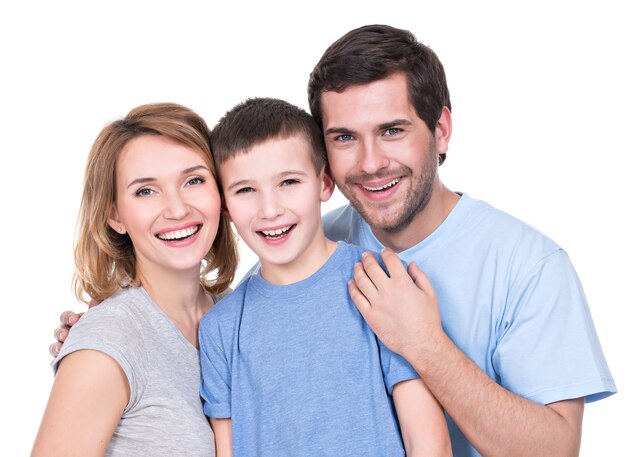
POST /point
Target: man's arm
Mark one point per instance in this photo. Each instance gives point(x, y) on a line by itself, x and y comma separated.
point(422, 421)
point(402, 310)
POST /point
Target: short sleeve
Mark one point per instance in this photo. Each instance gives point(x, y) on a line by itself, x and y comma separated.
point(215, 388)
point(112, 332)
point(548, 349)
point(395, 368)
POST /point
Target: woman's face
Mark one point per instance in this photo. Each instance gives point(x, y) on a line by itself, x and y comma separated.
point(168, 203)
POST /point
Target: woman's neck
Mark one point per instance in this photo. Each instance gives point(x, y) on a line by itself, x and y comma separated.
point(181, 298)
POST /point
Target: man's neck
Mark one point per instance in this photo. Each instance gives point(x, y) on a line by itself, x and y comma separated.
point(423, 224)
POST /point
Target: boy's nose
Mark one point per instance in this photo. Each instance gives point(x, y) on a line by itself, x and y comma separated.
point(270, 207)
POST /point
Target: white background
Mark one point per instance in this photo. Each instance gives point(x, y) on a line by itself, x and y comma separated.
point(538, 108)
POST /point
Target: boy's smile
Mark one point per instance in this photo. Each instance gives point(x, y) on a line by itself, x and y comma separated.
point(273, 196)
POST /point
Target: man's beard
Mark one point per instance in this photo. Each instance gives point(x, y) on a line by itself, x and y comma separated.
point(417, 197)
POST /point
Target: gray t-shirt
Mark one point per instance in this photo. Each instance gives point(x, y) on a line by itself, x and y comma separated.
point(164, 416)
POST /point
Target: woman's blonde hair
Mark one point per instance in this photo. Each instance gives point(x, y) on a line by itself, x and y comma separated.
point(105, 260)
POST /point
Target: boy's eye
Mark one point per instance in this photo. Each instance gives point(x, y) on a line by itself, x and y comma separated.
point(290, 182)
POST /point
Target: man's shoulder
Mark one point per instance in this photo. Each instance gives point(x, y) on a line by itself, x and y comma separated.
point(342, 223)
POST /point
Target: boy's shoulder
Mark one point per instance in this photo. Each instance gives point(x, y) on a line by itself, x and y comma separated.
point(229, 305)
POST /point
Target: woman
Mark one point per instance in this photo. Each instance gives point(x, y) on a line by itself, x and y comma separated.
point(149, 234)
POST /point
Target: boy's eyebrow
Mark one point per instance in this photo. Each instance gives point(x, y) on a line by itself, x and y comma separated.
point(280, 175)
point(150, 179)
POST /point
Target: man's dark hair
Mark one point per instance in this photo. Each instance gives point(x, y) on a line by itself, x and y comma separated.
point(374, 52)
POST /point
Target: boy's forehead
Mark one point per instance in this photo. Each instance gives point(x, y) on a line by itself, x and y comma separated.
point(271, 155)
point(294, 147)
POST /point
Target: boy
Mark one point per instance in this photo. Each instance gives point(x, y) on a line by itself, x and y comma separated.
point(289, 365)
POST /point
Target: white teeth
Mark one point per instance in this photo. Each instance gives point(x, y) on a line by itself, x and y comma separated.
point(386, 186)
point(276, 232)
point(178, 234)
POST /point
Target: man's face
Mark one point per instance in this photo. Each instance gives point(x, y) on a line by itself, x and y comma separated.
point(381, 154)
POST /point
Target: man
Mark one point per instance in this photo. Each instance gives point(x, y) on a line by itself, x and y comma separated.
point(511, 354)
point(515, 355)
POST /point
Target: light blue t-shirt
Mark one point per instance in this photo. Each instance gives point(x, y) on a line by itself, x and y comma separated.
point(298, 369)
point(510, 300)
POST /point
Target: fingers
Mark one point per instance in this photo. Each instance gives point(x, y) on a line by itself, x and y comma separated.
point(69, 318)
point(421, 280)
point(55, 348)
point(361, 302)
point(363, 281)
point(373, 269)
point(392, 262)
point(60, 333)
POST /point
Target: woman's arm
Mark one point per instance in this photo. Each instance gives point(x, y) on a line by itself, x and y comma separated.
point(88, 397)
point(422, 421)
point(223, 431)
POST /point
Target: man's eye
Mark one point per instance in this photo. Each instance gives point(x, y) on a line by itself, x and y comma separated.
point(345, 137)
point(393, 131)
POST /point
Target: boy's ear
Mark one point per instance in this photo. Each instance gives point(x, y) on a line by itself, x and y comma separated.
point(114, 221)
point(328, 185)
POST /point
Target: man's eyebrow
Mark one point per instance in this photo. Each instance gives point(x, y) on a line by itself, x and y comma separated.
point(150, 179)
point(383, 126)
point(338, 130)
point(394, 123)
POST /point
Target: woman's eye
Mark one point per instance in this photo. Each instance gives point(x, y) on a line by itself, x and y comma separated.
point(144, 192)
point(244, 190)
point(195, 181)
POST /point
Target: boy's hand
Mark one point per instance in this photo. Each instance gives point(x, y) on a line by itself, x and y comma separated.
point(68, 318)
point(401, 307)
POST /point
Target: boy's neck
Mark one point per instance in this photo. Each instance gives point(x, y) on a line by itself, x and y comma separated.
point(302, 268)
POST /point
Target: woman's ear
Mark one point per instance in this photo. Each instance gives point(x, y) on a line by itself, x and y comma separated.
point(114, 221)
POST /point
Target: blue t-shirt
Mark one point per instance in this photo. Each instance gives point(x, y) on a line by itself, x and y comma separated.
point(510, 300)
point(298, 369)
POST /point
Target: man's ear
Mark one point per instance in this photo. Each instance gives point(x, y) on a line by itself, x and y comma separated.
point(114, 221)
point(328, 185)
point(443, 131)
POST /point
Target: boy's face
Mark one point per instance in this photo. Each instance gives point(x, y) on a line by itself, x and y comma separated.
point(273, 195)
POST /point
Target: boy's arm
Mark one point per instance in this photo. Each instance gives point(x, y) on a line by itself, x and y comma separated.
point(422, 421)
point(223, 431)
